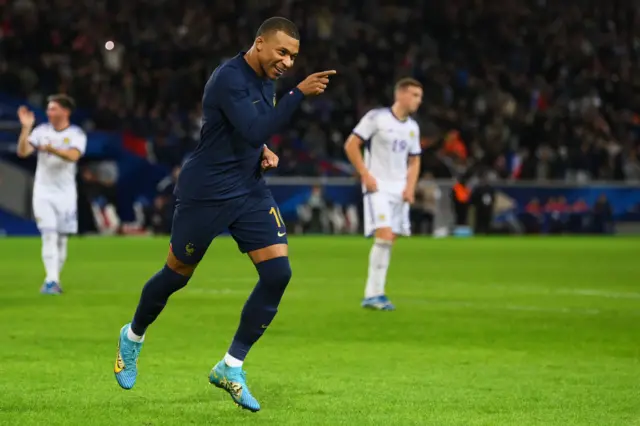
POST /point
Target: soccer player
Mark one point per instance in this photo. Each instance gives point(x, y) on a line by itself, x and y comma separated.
point(221, 187)
point(389, 173)
point(55, 199)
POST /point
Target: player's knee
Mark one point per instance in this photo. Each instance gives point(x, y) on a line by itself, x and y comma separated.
point(284, 272)
point(178, 266)
point(385, 234)
point(275, 272)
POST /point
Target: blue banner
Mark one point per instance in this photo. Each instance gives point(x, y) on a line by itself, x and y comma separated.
point(624, 200)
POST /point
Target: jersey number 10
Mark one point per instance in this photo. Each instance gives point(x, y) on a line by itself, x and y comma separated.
point(277, 216)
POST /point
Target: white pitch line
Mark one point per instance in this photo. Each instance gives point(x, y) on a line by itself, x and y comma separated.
point(599, 293)
point(535, 290)
point(494, 307)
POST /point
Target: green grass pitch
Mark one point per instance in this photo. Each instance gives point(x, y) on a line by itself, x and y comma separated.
point(521, 331)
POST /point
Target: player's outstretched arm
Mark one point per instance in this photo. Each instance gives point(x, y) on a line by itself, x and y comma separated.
point(238, 106)
point(27, 120)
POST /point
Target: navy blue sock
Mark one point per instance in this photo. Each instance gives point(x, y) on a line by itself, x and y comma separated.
point(154, 297)
point(262, 305)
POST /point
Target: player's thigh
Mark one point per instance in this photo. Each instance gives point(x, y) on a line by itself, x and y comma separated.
point(44, 213)
point(67, 215)
point(377, 212)
point(258, 226)
point(400, 221)
point(193, 228)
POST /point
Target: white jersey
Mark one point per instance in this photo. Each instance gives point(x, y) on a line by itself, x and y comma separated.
point(54, 176)
point(388, 144)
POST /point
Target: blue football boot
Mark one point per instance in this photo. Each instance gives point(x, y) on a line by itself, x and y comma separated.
point(232, 380)
point(378, 303)
point(126, 368)
point(51, 287)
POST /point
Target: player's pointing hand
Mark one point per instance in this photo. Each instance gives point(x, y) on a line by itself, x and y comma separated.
point(316, 83)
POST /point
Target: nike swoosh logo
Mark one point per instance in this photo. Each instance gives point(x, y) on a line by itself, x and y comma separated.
point(281, 234)
point(255, 102)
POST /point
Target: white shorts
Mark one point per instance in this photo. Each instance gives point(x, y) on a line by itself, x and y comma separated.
point(384, 210)
point(56, 214)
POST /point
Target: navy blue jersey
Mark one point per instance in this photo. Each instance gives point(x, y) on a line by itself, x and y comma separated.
point(239, 115)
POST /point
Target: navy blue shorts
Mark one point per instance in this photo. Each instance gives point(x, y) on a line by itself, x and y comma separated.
point(253, 221)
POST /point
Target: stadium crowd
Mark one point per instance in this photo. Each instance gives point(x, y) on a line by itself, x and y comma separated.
point(532, 89)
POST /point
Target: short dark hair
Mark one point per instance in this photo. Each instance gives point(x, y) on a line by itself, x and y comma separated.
point(403, 83)
point(278, 23)
point(65, 101)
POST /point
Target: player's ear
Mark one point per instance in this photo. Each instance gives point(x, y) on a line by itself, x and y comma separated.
point(259, 43)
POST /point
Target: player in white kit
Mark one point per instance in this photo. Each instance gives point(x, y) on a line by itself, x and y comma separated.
point(389, 172)
point(59, 145)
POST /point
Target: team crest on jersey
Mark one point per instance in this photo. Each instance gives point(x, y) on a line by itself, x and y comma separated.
point(66, 141)
point(412, 134)
point(381, 217)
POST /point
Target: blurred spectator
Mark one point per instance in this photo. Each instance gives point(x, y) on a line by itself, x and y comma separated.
point(159, 214)
point(579, 216)
point(98, 184)
point(423, 212)
point(505, 208)
point(603, 216)
point(314, 214)
point(532, 218)
point(483, 198)
point(557, 211)
point(632, 167)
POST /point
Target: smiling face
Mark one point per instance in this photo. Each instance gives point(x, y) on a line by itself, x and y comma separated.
point(277, 52)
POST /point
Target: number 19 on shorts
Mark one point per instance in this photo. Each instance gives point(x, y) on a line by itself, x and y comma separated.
point(277, 216)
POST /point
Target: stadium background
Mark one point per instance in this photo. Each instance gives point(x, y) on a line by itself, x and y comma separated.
point(541, 97)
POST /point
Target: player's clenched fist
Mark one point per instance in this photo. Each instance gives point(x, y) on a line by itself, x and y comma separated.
point(26, 117)
point(316, 83)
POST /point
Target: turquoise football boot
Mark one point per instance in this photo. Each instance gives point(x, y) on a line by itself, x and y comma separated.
point(126, 368)
point(232, 380)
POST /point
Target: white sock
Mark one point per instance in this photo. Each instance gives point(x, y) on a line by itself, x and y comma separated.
point(378, 265)
point(231, 361)
point(62, 251)
point(50, 256)
point(133, 336)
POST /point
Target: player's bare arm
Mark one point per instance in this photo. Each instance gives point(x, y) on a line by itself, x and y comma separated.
point(27, 121)
point(353, 149)
point(71, 154)
point(413, 171)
